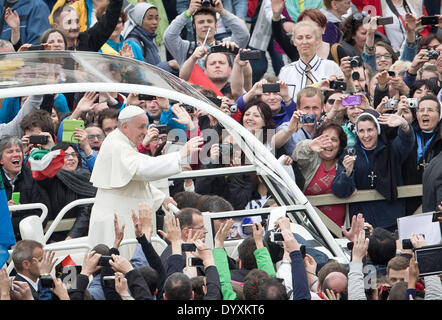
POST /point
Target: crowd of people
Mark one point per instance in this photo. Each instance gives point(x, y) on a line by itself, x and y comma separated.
point(349, 99)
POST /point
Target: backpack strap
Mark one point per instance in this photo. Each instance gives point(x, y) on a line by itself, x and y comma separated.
point(334, 52)
point(191, 49)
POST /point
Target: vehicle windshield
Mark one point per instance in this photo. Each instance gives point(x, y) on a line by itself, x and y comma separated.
point(53, 67)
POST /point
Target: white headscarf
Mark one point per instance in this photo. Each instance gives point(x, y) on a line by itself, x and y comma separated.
point(135, 17)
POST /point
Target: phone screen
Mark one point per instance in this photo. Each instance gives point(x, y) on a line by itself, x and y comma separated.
point(429, 260)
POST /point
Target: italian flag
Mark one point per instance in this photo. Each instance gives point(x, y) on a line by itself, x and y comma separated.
point(45, 164)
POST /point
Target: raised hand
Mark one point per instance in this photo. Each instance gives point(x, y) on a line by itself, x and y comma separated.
point(277, 8)
point(320, 143)
point(143, 223)
point(90, 263)
point(392, 120)
point(48, 262)
point(357, 225)
point(21, 291)
point(87, 102)
point(119, 232)
point(223, 232)
point(12, 19)
point(152, 134)
point(191, 146)
point(360, 247)
point(348, 162)
point(120, 264)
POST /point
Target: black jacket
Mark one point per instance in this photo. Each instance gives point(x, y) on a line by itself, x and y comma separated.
point(30, 192)
point(61, 195)
point(93, 38)
point(432, 185)
point(237, 189)
point(412, 171)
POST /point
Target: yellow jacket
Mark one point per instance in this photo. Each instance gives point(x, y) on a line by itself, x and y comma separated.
point(79, 6)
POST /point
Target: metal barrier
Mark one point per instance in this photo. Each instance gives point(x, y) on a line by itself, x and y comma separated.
point(30, 206)
point(360, 196)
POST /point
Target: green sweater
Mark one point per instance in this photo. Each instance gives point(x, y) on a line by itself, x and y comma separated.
point(263, 261)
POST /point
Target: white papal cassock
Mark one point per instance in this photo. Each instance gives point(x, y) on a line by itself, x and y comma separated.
point(122, 176)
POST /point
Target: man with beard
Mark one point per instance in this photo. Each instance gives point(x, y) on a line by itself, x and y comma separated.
point(66, 20)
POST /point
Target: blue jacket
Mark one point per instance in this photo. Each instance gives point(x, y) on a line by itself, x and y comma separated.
point(380, 213)
point(33, 20)
point(145, 41)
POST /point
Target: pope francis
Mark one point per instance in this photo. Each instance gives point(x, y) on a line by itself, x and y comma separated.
point(122, 176)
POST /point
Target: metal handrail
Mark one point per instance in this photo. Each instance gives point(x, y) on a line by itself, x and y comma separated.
point(30, 206)
point(63, 211)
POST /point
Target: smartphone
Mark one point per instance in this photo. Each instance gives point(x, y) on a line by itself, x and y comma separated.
point(220, 48)
point(188, 108)
point(162, 128)
point(276, 236)
point(338, 85)
point(384, 21)
point(250, 55)
point(38, 139)
point(216, 101)
point(104, 261)
point(15, 197)
point(430, 20)
point(352, 101)
point(34, 48)
point(68, 130)
point(247, 229)
point(47, 281)
point(429, 260)
point(146, 97)
point(436, 215)
point(406, 244)
point(195, 262)
point(271, 87)
point(185, 247)
point(109, 281)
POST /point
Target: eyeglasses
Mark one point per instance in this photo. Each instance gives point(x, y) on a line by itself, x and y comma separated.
point(98, 136)
point(386, 56)
point(331, 101)
point(71, 154)
point(162, 139)
point(150, 18)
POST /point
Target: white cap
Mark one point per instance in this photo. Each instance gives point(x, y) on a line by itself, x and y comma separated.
point(130, 112)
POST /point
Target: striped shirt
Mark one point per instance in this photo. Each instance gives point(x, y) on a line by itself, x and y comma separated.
point(295, 74)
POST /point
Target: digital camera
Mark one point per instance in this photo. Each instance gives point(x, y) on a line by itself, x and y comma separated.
point(308, 118)
point(233, 108)
point(412, 103)
point(391, 103)
point(225, 149)
point(207, 3)
point(433, 54)
point(355, 61)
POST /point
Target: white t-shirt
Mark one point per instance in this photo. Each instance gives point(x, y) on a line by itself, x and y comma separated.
point(393, 31)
